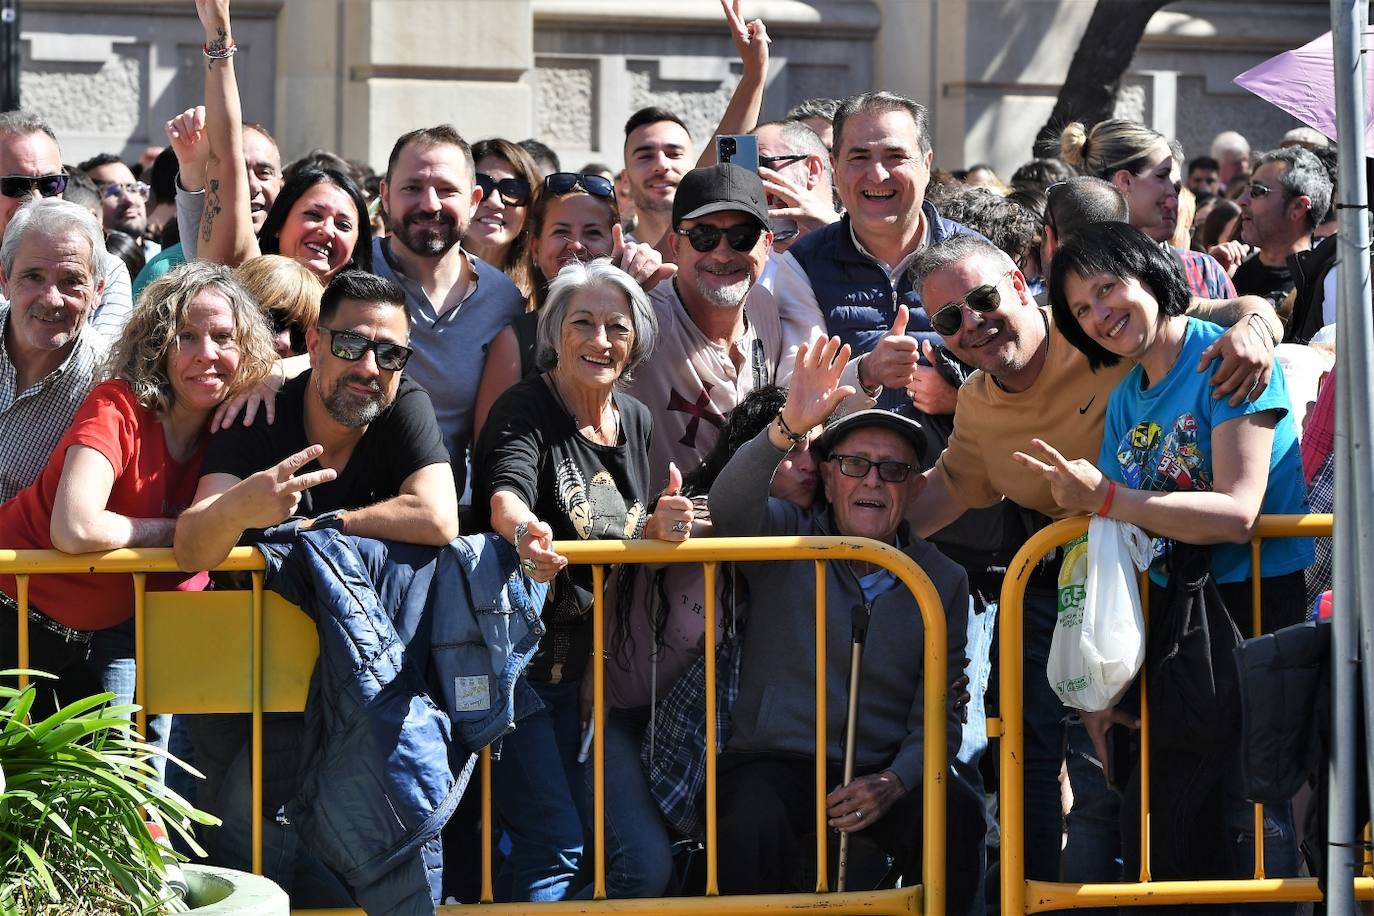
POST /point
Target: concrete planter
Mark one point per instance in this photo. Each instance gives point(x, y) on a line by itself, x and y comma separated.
point(215, 891)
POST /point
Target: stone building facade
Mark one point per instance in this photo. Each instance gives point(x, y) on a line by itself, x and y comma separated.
point(351, 75)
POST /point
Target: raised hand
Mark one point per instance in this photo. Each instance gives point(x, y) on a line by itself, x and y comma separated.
point(750, 38)
point(186, 133)
point(1076, 485)
point(271, 496)
point(815, 391)
point(929, 390)
point(673, 516)
point(892, 363)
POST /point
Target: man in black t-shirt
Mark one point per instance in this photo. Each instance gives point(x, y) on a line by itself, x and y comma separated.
point(351, 436)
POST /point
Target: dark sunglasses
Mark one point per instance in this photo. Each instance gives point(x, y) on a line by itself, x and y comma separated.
point(781, 162)
point(888, 471)
point(1257, 190)
point(566, 182)
point(24, 185)
point(985, 298)
point(515, 192)
point(351, 346)
point(741, 237)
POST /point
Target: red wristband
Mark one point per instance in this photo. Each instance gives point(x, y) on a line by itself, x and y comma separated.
point(1107, 503)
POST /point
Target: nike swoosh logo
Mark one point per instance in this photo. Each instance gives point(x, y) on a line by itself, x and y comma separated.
point(1084, 408)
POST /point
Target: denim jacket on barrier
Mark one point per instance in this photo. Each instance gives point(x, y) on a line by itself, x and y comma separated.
point(378, 778)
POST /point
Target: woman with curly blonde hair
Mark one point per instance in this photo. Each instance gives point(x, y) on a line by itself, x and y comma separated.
point(125, 469)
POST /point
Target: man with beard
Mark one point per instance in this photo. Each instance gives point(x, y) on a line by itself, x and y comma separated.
point(456, 302)
point(355, 442)
point(710, 351)
point(352, 436)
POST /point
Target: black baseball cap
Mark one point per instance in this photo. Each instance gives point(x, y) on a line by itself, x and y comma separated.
point(907, 428)
point(717, 188)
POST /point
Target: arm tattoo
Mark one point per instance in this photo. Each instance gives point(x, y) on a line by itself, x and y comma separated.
point(212, 210)
point(215, 46)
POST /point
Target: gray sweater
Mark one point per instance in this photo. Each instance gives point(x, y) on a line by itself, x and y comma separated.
point(775, 710)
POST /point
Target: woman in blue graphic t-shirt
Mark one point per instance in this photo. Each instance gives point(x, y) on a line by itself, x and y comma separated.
point(1189, 467)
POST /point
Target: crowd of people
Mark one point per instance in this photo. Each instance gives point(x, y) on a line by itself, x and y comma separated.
point(209, 347)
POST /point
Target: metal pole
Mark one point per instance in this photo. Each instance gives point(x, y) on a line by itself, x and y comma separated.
point(1353, 589)
point(9, 55)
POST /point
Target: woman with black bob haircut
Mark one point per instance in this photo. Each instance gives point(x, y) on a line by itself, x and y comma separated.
point(1121, 250)
point(269, 240)
point(1196, 471)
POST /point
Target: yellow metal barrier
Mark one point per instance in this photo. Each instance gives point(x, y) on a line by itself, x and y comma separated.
point(1019, 895)
point(263, 650)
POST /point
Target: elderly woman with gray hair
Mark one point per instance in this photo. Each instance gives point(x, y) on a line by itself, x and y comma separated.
point(564, 455)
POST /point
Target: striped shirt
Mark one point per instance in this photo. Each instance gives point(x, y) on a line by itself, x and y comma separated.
point(32, 421)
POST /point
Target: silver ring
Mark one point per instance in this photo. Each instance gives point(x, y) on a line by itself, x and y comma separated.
point(859, 814)
point(681, 526)
point(527, 565)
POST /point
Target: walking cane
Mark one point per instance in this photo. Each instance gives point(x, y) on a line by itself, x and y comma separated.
point(859, 629)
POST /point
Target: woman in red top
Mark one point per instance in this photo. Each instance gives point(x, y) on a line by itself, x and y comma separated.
point(126, 467)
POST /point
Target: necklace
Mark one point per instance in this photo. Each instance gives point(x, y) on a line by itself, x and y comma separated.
point(596, 427)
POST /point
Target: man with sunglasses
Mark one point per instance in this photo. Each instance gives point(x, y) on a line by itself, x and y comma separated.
point(1284, 200)
point(123, 198)
point(30, 167)
point(712, 350)
point(353, 435)
point(870, 471)
point(457, 302)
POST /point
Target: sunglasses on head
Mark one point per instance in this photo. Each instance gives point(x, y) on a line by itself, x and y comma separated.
point(741, 237)
point(566, 182)
point(515, 192)
point(351, 346)
point(24, 185)
point(985, 298)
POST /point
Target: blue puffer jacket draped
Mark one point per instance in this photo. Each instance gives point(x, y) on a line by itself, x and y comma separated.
point(378, 778)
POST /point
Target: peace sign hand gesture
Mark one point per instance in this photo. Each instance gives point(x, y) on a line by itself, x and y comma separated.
point(1077, 485)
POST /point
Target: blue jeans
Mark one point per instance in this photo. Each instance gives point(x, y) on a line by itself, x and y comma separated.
point(538, 794)
point(112, 660)
point(639, 854)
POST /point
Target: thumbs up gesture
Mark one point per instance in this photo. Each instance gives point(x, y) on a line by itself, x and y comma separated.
point(672, 517)
point(892, 363)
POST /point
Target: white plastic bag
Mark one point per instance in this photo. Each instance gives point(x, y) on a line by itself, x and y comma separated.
point(1099, 638)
